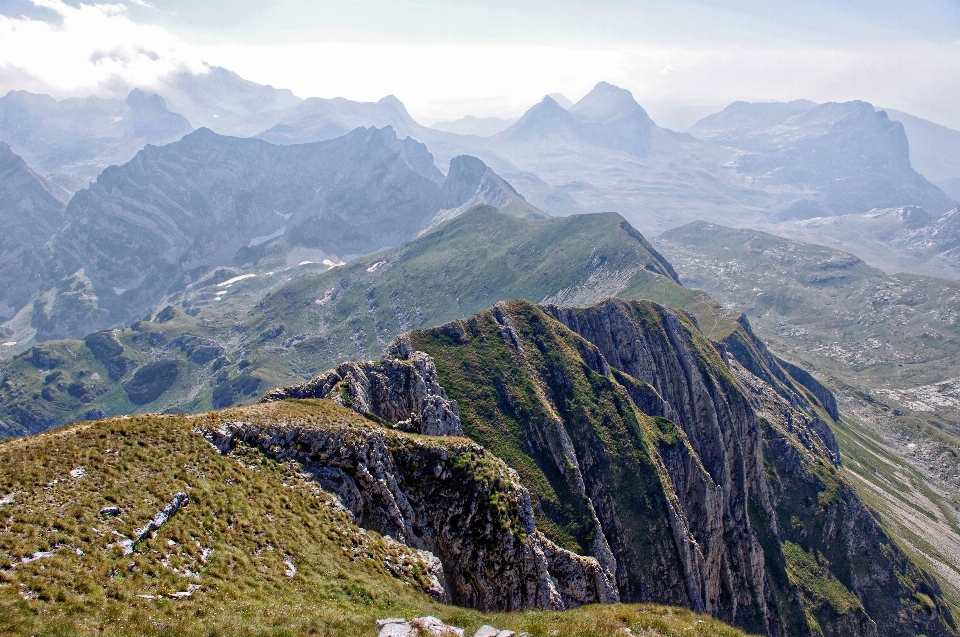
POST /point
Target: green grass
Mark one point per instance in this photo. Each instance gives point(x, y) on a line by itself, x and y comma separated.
point(246, 515)
point(811, 572)
point(457, 269)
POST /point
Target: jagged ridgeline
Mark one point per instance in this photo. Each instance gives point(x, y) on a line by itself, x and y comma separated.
point(176, 361)
point(247, 544)
point(611, 453)
point(667, 462)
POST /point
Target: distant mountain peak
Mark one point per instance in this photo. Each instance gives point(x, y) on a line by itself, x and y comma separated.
point(606, 101)
point(561, 99)
point(392, 100)
point(470, 183)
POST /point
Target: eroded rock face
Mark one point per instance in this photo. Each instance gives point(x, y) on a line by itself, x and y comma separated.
point(697, 481)
point(403, 391)
point(692, 473)
point(448, 497)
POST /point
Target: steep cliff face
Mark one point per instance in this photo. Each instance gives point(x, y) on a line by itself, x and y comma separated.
point(30, 212)
point(448, 496)
point(404, 392)
point(684, 473)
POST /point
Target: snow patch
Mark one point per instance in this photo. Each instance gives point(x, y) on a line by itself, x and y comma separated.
point(230, 282)
point(267, 237)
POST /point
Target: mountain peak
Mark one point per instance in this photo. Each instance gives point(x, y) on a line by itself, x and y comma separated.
point(561, 99)
point(392, 100)
point(606, 101)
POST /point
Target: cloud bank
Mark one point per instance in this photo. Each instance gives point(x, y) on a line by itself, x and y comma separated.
point(445, 60)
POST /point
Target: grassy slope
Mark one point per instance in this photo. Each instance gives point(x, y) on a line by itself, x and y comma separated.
point(862, 331)
point(460, 268)
point(251, 513)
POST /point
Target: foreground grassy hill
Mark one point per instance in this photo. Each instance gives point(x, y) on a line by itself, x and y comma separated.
point(259, 549)
point(888, 346)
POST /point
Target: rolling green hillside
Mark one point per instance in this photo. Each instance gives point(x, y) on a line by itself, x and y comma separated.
point(348, 312)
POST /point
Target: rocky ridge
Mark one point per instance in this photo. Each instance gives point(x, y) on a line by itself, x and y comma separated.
point(132, 238)
point(402, 391)
point(697, 482)
point(449, 498)
point(727, 455)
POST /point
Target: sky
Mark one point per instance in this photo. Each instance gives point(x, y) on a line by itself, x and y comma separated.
point(682, 59)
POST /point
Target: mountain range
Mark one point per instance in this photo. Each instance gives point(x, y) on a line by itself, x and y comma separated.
point(751, 164)
point(474, 403)
point(71, 141)
point(214, 359)
point(174, 213)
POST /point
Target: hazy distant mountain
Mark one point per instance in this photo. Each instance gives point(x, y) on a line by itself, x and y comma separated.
point(470, 125)
point(72, 140)
point(751, 125)
point(30, 213)
point(849, 157)
point(471, 183)
point(561, 99)
point(903, 239)
point(317, 119)
point(175, 213)
point(934, 151)
point(224, 102)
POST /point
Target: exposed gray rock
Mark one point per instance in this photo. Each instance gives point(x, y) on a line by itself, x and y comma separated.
point(31, 210)
point(429, 496)
point(471, 183)
point(403, 391)
point(180, 500)
point(420, 627)
point(352, 195)
point(111, 511)
point(708, 503)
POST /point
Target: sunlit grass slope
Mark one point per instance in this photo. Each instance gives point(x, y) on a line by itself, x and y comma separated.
point(248, 519)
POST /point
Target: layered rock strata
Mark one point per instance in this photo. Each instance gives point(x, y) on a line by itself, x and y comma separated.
point(692, 478)
point(404, 392)
point(446, 496)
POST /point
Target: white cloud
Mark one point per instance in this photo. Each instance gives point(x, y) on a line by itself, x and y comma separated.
point(97, 48)
point(103, 49)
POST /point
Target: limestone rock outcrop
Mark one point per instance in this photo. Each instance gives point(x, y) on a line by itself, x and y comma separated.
point(403, 391)
point(447, 496)
point(693, 479)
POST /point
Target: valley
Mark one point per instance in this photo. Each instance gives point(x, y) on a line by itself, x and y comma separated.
point(885, 344)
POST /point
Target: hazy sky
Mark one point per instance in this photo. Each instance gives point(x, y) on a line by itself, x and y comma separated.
point(446, 59)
